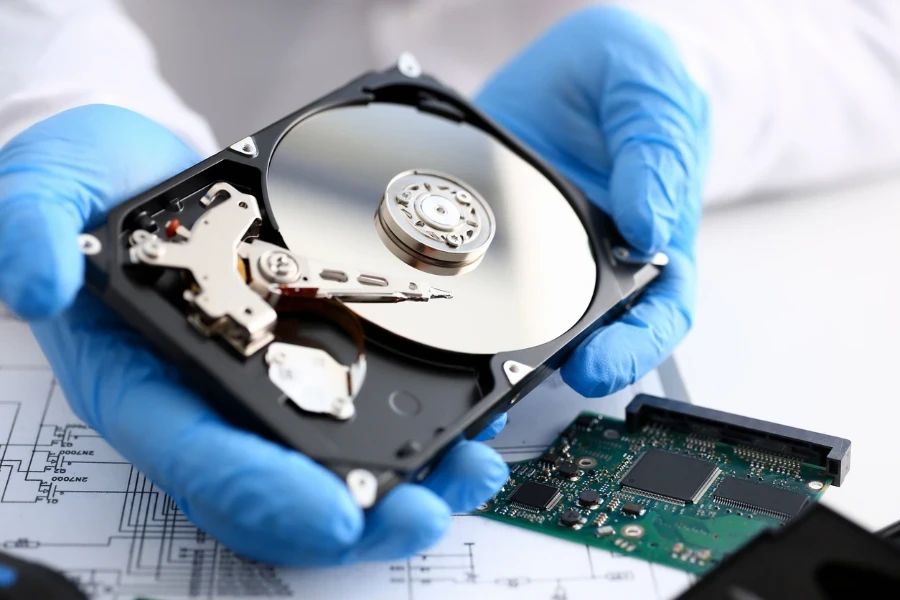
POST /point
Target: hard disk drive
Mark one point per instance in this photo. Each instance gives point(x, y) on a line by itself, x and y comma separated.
point(369, 278)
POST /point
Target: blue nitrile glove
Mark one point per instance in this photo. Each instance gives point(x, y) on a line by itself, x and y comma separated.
point(266, 502)
point(604, 98)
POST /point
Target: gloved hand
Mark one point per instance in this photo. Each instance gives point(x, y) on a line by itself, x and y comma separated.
point(604, 98)
point(59, 178)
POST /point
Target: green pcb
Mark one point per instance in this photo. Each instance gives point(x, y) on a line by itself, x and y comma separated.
point(670, 498)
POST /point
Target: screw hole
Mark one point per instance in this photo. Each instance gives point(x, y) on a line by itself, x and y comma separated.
point(413, 287)
point(247, 148)
point(513, 368)
point(242, 204)
point(248, 311)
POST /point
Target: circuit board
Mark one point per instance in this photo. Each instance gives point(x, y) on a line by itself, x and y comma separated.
point(656, 489)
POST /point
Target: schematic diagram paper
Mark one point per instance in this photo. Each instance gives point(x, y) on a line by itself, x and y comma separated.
point(69, 501)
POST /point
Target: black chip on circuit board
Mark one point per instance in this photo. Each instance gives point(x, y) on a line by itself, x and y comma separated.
point(586, 422)
point(759, 497)
point(669, 476)
point(567, 469)
point(550, 458)
point(633, 510)
point(535, 496)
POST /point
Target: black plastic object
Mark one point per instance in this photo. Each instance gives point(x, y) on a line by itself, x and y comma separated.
point(891, 533)
point(819, 555)
point(23, 580)
point(826, 451)
point(458, 394)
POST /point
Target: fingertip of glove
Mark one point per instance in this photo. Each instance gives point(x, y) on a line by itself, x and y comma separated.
point(593, 371)
point(408, 520)
point(645, 205)
point(346, 524)
point(646, 238)
point(491, 431)
point(470, 474)
point(319, 507)
point(430, 516)
point(495, 470)
point(40, 264)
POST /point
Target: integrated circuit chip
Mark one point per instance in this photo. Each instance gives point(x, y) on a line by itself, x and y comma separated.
point(535, 496)
point(761, 498)
point(670, 477)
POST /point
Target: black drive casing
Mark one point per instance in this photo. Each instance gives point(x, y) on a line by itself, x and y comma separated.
point(457, 394)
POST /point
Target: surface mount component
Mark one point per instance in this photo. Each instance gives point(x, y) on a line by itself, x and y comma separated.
point(633, 509)
point(368, 278)
point(668, 490)
point(535, 496)
point(567, 470)
point(760, 498)
point(572, 519)
point(671, 477)
point(589, 498)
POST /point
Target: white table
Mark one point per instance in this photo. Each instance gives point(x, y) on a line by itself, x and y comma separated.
point(798, 321)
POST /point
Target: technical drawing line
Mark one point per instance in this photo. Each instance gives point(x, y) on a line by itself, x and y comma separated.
point(37, 436)
point(12, 427)
point(655, 582)
point(409, 581)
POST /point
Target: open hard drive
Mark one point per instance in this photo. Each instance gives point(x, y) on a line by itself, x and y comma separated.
point(368, 278)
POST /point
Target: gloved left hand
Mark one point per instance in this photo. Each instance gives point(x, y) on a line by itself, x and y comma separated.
point(264, 501)
point(604, 98)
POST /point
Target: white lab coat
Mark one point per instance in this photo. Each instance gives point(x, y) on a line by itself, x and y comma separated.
point(802, 92)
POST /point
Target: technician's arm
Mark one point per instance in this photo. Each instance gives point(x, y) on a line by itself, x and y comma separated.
point(801, 92)
point(57, 55)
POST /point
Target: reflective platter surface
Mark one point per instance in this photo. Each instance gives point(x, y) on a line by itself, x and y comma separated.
point(326, 181)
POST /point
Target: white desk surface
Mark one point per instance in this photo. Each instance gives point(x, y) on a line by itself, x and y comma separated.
point(798, 321)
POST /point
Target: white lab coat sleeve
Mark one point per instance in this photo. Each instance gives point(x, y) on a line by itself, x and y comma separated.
point(58, 54)
point(802, 92)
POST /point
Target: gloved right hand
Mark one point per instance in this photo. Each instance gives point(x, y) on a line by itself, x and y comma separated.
point(603, 97)
point(266, 502)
